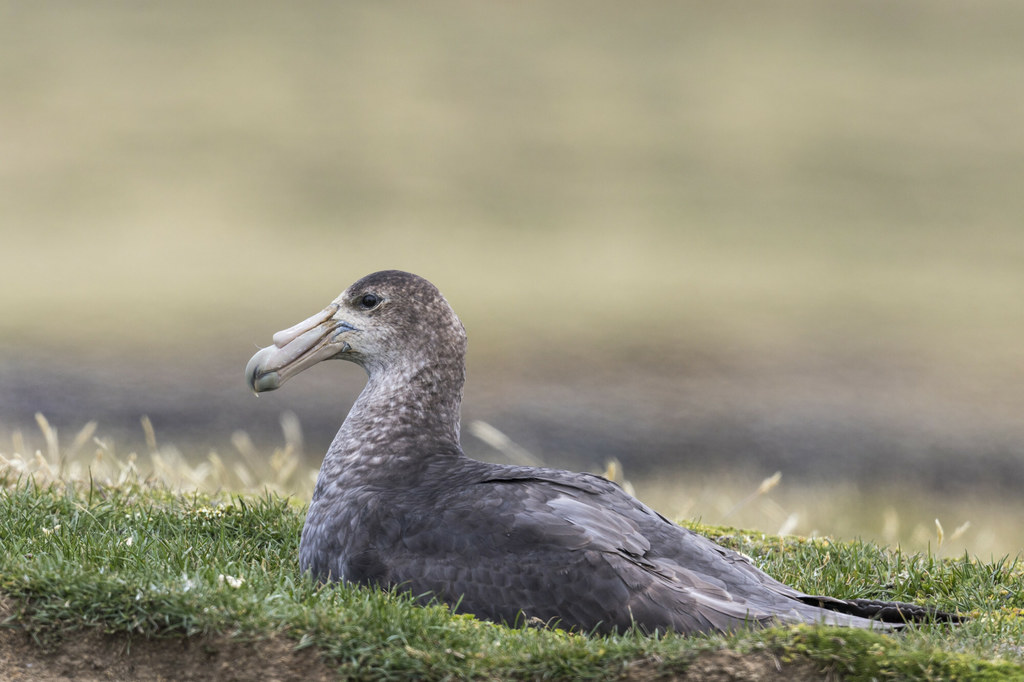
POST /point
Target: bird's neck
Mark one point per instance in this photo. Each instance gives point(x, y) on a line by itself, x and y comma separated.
point(417, 398)
point(406, 417)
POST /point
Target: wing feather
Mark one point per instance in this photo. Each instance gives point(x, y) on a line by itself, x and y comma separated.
point(577, 550)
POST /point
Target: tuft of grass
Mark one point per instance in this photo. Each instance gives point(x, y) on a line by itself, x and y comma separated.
point(139, 559)
point(246, 470)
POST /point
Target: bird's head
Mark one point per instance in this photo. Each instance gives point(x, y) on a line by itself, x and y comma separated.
point(385, 320)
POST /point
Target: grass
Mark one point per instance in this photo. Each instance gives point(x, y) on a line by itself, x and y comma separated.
point(918, 520)
point(140, 559)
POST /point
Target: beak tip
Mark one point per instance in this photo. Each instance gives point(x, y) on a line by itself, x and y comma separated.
point(265, 382)
point(259, 379)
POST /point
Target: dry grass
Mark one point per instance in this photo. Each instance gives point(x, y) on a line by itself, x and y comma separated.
point(986, 528)
point(90, 457)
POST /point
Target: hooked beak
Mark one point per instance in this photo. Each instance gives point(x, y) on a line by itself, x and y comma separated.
point(297, 348)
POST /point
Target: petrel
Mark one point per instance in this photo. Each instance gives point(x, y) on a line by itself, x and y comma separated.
point(397, 503)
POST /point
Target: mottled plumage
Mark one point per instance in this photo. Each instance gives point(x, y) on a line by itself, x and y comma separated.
point(398, 504)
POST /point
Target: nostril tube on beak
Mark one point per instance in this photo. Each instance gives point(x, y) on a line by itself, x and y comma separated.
point(285, 336)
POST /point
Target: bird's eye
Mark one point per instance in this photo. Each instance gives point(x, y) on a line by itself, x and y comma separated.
point(369, 301)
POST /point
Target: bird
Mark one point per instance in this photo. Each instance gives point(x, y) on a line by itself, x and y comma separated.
point(398, 505)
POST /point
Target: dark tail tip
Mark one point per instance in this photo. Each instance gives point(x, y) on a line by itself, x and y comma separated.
point(892, 611)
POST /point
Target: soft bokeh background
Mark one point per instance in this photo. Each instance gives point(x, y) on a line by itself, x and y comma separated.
point(711, 240)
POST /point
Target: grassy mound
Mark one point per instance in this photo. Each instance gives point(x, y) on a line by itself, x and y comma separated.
point(124, 564)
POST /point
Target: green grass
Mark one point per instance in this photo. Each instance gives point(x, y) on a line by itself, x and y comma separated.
point(147, 561)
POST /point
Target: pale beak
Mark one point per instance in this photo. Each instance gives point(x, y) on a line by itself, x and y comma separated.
point(297, 348)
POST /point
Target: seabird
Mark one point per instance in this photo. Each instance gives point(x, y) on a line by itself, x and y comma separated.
point(397, 503)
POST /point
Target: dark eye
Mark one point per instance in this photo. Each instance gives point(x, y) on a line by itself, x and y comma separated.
point(369, 301)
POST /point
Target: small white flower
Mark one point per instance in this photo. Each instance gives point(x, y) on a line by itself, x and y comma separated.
point(231, 580)
point(128, 541)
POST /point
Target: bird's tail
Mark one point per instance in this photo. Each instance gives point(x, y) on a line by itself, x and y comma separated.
point(886, 611)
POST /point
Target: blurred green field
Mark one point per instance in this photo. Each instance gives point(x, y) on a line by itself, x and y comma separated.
point(803, 218)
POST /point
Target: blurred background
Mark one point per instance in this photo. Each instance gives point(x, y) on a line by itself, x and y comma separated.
point(712, 241)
